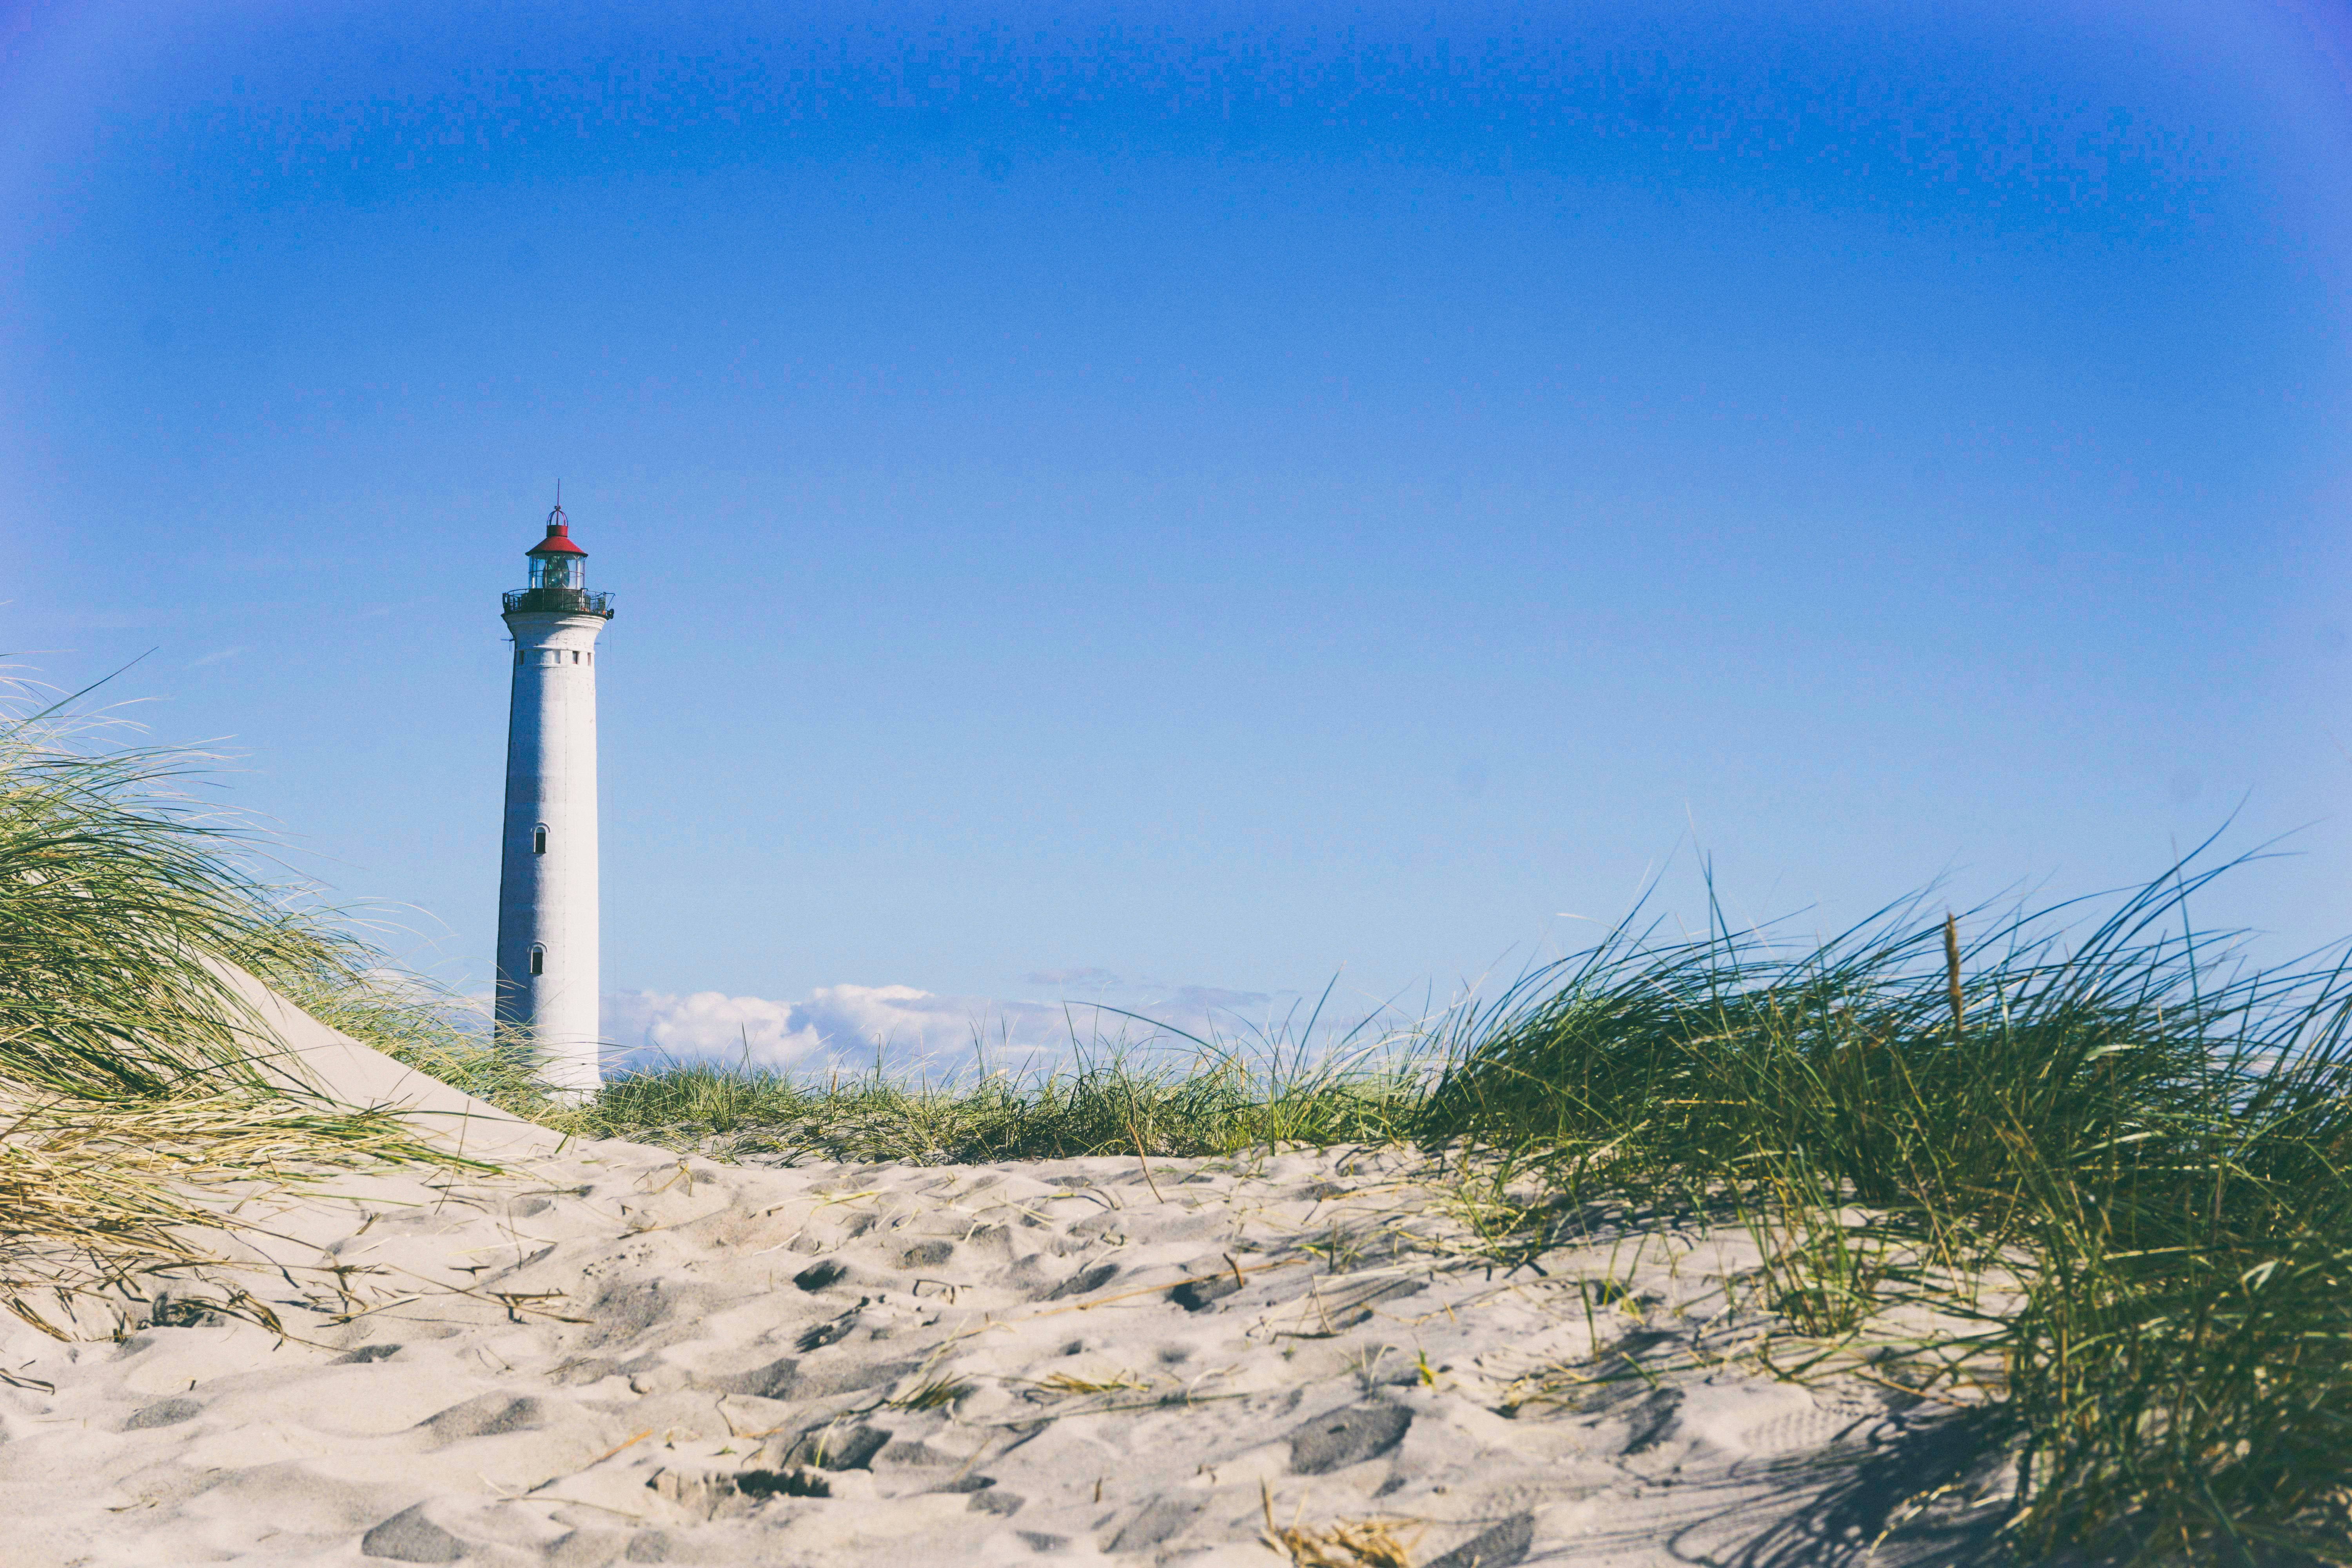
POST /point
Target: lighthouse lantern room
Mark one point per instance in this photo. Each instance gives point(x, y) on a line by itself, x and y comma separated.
point(547, 955)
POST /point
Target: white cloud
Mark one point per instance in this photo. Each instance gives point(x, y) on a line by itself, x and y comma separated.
point(850, 1027)
point(834, 1025)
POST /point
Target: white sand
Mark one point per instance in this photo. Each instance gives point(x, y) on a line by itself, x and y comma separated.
point(609, 1355)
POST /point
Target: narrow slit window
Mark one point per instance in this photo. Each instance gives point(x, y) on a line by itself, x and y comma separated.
point(538, 959)
point(539, 839)
point(518, 655)
point(575, 655)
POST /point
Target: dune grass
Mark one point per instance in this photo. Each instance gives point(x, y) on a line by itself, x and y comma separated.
point(1174, 1096)
point(131, 1083)
point(2149, 1144)
point(2153, 1146)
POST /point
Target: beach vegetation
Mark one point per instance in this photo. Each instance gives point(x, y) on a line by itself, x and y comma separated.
point(2114, 1157)
point(139, 1101)
point(2112, 1160)
point(2149, 1142)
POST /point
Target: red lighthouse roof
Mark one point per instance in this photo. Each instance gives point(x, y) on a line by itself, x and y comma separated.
point(558, 537)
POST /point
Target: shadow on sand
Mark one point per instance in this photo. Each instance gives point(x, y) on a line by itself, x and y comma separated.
point(1919, 1491)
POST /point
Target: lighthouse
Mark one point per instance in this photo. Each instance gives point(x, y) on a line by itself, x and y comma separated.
point(546, 989)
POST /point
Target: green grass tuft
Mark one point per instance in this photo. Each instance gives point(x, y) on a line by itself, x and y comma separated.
point(1205, 1098)
point(2155, 1144)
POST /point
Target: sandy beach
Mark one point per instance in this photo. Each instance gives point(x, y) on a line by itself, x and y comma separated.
point(609, 1354)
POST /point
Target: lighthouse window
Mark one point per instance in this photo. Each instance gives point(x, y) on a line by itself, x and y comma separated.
point(557, 572)
point(575, 655)
point(539, 839)
point(538, 960)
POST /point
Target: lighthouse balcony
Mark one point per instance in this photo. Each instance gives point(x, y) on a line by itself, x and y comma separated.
point(558, 602)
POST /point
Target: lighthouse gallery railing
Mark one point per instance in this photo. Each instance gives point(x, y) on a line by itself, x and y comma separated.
point(558, 601)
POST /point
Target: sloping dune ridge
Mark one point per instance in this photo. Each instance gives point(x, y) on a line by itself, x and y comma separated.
point(605, 1353)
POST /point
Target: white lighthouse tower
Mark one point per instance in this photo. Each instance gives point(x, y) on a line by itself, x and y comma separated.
point(547, 986)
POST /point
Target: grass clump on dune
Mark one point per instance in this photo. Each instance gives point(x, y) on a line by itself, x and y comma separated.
point(2158, 1149)
point(132, 1082)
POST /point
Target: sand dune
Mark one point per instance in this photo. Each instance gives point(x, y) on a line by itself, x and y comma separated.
point(608, 1355)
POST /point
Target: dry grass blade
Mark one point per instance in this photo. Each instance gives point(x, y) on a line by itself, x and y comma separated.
point(1071, 1384)
point(99, 1199)
point(1342, 1543)
point(932, 1395)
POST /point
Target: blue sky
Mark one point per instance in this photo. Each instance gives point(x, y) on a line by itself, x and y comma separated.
point(1174, 504)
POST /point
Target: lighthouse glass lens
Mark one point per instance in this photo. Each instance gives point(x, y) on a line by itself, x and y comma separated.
point(556, 571)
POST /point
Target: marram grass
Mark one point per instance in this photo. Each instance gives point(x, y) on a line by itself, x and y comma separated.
point(1203, 1099)
point(2152, 1148)
point(132, 1091)
point(107, 1203)
point(2158, 1147)
point(2147, 1148)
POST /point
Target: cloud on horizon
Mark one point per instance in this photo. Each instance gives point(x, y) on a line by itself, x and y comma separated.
point(847, 1025)
point(903, 1026)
